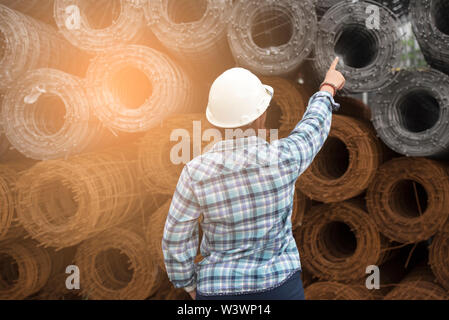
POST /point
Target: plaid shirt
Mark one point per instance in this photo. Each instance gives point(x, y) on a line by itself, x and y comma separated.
point(244, 189)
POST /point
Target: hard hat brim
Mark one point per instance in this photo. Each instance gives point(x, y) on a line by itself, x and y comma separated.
point(264, 105)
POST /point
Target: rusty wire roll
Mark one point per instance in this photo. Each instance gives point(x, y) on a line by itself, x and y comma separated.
point(410, 116)
point(101, 24)
point(338, 241)
point(47, 115)
point(272, 38)
point(330, 290)
point(24, 269)
point(345, 165)
point(194, 31)
point(158, 168)
point(62, 202)
point(409, 199)
point(419, 284)
point(439, 258)
point(56, 289)
point(431, 28)
point(368, 56)
point(287, 106)
point(26, 43)
point(133, 88)
point(117, 265)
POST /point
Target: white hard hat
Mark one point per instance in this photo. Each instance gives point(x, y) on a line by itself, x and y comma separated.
point(237, 98)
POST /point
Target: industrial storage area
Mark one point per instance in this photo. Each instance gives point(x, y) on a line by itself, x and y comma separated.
point(91, 92)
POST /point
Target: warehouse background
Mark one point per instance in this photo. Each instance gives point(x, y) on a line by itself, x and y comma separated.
point(91, 91)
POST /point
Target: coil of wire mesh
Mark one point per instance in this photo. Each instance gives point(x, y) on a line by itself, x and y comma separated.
point(338, 241)
point(369, 52)
point(408, 199)
point(63, 202)
point(419, 284)
point(346, 164)
point(117, 265)
point(165, 150)
point(438, 257)
point(28, 44)
point(194, 31)
point(4, 143)
point(99, 25)
point(47, 115)
point(272, 38)
point(25, 267)
point(399, 7)
point(431, 28)
point(410, 116)
point(133, 88)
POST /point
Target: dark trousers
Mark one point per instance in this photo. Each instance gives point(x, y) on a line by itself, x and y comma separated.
point(292, 289)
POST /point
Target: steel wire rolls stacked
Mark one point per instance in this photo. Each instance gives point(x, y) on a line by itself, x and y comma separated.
point(47, 115)
point(27, 44)
point(330, 290)
point(194, 31)
point(438, 257)
point(411, 115)
point(399, 7)
point(369, 53)
point(430, 23)
point(272, 38)
point(98, 25)
point(63, 202)
point(133, 88)
point(39, 9)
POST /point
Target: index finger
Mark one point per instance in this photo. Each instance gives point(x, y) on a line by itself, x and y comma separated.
point(334, 64)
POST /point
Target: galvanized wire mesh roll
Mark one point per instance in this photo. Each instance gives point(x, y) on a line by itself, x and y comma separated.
point(117, 265)
point(399, 7)
point(431, 28)
point(338, 241)
point(133, 88)
point(287, 106)
point(39, 9)
point(99, 25)
point(345, 165)
point(439, 259)
point(24, 269)
point(330, 290)
point(410, 116)
point(160, 153)
point(368, 56)
point(26, 44)
point(194, 31)
point(63, 202)
point(418, 285)
point(409, 199)
point(47, 115)
point(272, 38)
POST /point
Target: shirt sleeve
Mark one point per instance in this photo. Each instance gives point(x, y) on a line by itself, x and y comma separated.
point(309, 135)
point(180, 239)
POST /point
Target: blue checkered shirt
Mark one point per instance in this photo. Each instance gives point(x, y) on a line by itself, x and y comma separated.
point(244, 189)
